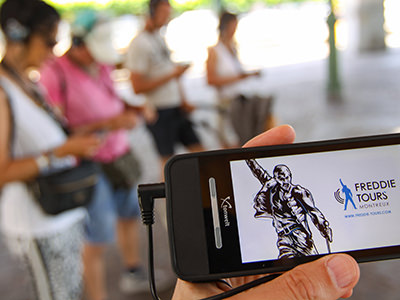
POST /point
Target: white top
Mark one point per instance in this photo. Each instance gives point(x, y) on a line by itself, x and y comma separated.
point(34, 132)
point(148, 54)
point(227, 65)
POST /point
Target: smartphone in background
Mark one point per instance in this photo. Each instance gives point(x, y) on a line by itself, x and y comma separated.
point(101, 134)
point(186, 64)
point(267, 209)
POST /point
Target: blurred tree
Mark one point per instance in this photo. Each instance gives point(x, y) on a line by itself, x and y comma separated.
point(117, 7)
point(139, 7)
point(334, 87)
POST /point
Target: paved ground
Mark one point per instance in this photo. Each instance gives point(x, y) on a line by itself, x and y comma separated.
point(370, 105)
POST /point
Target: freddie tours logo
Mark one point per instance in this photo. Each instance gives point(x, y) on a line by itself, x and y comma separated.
point(367, 195)
point(347, 193)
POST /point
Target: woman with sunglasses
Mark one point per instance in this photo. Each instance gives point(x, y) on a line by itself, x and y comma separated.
point(32, 142)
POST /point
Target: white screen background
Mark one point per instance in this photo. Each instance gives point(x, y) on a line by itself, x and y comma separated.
point(320, 174)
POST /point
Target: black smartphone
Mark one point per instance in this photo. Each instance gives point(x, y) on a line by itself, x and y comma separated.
point(267, 209)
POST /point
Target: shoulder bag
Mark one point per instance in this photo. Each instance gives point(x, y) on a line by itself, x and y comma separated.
point(124, 172)
point(63, 190)
point(67, 189)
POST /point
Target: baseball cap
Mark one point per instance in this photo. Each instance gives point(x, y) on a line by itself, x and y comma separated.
point(96, 30)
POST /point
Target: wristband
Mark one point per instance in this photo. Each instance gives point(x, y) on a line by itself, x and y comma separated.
point(61, 163)
point(49, 163)
point(43, 163)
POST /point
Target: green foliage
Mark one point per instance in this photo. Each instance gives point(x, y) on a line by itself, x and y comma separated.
point(139, 7)
point(245, 5)
point(181, 6)
point(116, 7)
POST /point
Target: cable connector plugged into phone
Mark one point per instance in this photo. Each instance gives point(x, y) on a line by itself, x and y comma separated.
point(147, 193)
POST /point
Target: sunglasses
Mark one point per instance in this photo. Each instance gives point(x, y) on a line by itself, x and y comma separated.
point(50, 42)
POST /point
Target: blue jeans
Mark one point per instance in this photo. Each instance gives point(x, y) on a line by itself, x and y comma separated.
point(109, 205)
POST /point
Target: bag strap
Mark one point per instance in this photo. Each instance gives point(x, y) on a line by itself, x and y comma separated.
point(12, 122)
point(63, 83)
point(34, 93)
point(62, 80)
point(11, 137)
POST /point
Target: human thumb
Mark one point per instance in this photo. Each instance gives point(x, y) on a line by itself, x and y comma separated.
point(328, 278)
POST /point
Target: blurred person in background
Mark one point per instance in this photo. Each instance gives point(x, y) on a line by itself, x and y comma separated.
point(33, 143)
point(240, 99)
point(155, 75)
point(80, 87)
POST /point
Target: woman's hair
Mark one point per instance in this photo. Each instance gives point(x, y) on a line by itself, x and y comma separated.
point(225, 19)
point(19, 19)
point(153, 6)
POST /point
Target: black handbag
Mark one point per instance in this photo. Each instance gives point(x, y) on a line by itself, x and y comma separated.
point(124, 172)
point(63, 190)
point(67, 189)
point(250, 115)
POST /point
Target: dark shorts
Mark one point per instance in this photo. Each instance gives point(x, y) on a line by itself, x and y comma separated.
point(171, 128)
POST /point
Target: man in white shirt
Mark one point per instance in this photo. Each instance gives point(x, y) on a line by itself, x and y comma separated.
point(155, 75)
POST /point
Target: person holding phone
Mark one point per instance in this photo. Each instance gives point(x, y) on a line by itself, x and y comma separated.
point(33, 143)
point(155, 75)
point(248, 110)
point(79, 85)
point(328, 278)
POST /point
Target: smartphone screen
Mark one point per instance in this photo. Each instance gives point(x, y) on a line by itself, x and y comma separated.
point(273, 208)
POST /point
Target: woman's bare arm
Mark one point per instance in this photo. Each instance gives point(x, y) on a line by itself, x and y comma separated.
point(11, 170)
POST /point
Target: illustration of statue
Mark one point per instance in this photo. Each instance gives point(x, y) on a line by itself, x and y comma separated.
point(290, 207)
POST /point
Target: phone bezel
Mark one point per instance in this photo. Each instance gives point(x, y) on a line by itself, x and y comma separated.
point(190, 217)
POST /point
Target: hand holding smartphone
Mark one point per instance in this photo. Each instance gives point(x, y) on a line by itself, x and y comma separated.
point(181, 68)
point(262, 210)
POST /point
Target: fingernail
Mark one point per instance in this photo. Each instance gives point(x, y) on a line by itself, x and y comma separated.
point(339, 271)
